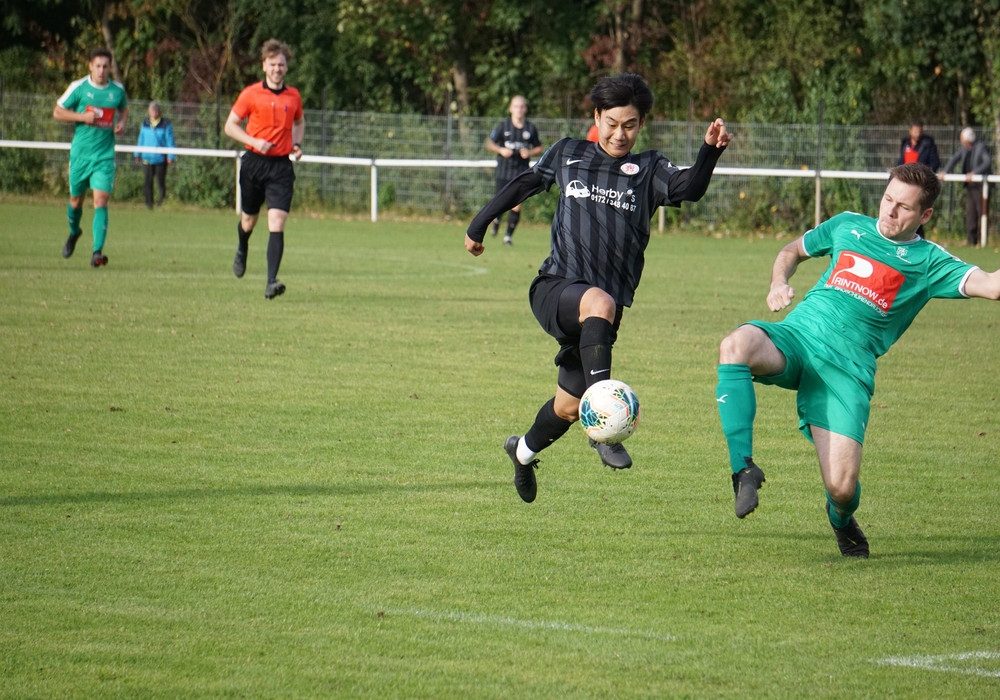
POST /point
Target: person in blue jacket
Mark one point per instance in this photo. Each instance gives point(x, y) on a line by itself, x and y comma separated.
point(156, 131)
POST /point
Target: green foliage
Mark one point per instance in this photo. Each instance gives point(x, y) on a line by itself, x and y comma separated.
point(21, 169)
point(206, 494)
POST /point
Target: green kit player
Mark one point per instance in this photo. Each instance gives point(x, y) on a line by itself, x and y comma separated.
point(99, 107)
point(881, 274)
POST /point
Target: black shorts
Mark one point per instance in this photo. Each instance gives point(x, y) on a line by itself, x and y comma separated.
point(265, 178)
point(555, 302)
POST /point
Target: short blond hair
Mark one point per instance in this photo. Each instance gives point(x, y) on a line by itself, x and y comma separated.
point(272, 47)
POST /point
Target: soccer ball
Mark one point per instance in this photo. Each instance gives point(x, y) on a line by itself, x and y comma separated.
point(609, 411)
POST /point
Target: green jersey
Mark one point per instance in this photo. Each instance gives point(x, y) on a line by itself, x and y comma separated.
point(96, 141)
point(874, 287)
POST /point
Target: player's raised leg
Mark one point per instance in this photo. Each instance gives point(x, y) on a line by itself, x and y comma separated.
point(744, 352)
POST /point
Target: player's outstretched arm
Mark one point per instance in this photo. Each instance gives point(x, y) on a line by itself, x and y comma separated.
point(983, 285)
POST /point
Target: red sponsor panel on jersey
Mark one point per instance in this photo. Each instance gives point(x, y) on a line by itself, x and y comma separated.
point(869, 279)
point(105, 116)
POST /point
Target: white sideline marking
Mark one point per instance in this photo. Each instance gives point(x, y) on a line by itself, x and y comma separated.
point(945, 662)
point(533, 624)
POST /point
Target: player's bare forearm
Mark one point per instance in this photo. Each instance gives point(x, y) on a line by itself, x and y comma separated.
point(786, 263)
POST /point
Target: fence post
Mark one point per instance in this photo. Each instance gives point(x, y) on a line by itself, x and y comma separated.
point(819, 167)
point(374, 193)
point(986, 209)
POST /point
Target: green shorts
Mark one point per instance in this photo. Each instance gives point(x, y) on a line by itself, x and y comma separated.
point(832, 392)
point(85, 174)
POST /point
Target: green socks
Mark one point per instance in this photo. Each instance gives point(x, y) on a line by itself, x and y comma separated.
point(100, 227)
point(73, 216)
point(737, 405)
point(840, 514)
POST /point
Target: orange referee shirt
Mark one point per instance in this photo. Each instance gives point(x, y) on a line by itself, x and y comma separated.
point(270, 115)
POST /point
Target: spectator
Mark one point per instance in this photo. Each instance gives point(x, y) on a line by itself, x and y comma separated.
point(976, 160)
point(918, 147)
point(515, 141)
point(98, 106)
point(156, 131)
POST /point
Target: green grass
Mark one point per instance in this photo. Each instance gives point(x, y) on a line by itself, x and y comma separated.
point(204, 494)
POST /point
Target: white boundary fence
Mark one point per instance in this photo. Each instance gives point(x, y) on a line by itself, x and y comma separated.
point(375, 163)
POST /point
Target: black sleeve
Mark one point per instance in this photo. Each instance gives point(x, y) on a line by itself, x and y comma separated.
point(527, 184)
point(690, 184)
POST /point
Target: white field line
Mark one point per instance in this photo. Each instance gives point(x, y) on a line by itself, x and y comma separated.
point(947, 662)
point(496, 621)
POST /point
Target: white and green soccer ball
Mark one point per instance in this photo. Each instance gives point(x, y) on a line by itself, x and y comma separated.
point(609, 411)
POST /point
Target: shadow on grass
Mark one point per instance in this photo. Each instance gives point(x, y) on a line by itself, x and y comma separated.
point(245, 492)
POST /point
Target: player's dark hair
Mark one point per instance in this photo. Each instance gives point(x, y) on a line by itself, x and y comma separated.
point(101, 51)
point(921, 176)
point(622, 90)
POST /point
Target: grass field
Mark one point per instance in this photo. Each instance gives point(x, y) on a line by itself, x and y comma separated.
point(205, 494)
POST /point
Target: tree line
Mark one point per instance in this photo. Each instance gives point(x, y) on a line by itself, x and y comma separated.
point(769, 61)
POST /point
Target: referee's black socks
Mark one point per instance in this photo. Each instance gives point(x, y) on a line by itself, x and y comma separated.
point(275, 249)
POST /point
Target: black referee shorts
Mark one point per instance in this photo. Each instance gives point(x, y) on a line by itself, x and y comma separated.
point(555, 302)
point(265, 178)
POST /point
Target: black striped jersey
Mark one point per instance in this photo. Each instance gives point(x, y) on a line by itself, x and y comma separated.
point(601, 225)
point(506, 135)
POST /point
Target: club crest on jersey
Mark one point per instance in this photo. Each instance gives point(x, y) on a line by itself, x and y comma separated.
point(630, 168)
point(873, 282)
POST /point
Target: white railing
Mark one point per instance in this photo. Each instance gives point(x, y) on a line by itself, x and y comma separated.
point(375, 163)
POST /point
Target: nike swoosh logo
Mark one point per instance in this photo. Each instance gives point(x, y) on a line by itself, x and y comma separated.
point(598, 371)
point(573, 162)
point(722, 399)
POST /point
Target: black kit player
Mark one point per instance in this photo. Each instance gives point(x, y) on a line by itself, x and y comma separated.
point(515, 140)
point(599, 234)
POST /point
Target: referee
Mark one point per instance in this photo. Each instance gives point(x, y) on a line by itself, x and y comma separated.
point(599, 234)
point(275, 125)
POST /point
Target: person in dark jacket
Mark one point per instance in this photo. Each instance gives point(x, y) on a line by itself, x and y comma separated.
point(158, 132)
point(976, 159)
point(918, 147)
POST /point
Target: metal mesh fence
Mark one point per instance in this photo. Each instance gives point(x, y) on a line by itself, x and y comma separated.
point(736, 204)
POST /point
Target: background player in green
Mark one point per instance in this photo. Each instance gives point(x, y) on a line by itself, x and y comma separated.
point(99, 108)
point(881, 274)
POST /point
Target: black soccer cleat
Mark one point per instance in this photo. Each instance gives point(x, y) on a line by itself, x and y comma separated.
point(746, 482)
point(524, 474)
point(274, 289)
point(240, 263)
point(98, 259)
point(850, 539)
point(70, 246)
point(614, 456)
